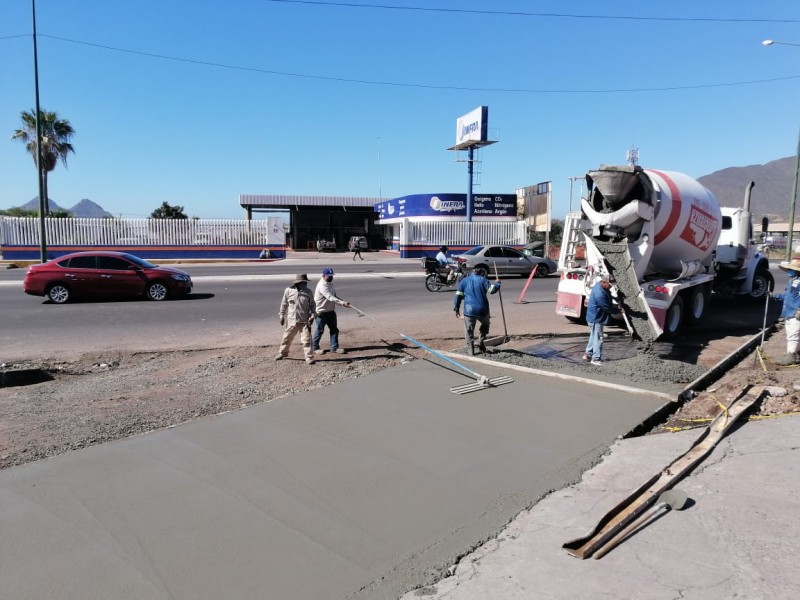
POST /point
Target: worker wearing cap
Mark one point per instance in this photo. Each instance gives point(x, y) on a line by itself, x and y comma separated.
point(326, 300)
point(599, 314)
point(474, 291)
point(296, 314)
point(791, 311)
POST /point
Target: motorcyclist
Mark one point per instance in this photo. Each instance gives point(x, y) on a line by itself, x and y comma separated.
point(446, 264)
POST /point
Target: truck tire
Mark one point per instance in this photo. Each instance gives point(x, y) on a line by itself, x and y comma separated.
point(698, 302)
point(763, 284)
point(674, 318)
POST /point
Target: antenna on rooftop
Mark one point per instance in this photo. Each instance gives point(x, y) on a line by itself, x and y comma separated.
point(632, 156)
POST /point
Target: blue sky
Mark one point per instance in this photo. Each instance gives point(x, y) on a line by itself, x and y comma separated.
point(333, 99)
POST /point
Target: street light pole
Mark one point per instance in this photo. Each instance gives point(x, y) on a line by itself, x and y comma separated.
point(793, 200)
point(40, 178)
point(571, 180)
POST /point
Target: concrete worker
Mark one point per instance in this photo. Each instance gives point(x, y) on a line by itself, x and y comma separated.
point(598, 315)
point(474, 291)
point(296, 314)
point(326, 300)
point(791, 310)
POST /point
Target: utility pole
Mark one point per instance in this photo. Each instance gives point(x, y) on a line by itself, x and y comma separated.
point(39, 171)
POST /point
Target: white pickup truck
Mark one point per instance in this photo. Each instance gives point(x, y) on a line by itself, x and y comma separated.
point(329, 244)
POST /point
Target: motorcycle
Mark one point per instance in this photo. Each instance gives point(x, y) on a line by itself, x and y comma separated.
point(436, 275)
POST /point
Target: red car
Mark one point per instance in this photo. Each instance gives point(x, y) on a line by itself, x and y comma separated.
point(104, 275)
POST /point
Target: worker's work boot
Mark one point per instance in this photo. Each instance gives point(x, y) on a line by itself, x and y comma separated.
point(787, 359)
point(471, 349)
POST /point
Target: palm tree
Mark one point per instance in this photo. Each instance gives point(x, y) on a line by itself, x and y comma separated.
point(56, 135)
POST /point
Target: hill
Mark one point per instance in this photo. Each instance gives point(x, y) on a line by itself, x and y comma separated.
point(771, 194)
point(83, 209)
point(33, 204)
point(88, 209)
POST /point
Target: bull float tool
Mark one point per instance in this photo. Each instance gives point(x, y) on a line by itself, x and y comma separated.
point(481, 381)
point(497, 340)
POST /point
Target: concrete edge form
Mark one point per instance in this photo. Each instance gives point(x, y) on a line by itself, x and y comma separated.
point(604, 384)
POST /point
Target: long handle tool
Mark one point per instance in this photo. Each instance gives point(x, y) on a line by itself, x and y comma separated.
point(670, 500)
point(481, 381)
point(497, 340)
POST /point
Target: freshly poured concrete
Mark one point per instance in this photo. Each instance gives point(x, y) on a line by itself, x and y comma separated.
point(363, 489)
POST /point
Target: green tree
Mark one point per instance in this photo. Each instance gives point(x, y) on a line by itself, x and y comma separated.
point(16, 211)
point(56, 135)
point(167, 211)
point(556, 233)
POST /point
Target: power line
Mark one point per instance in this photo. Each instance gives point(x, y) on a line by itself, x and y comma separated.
point(534, 14)
point(419, 85)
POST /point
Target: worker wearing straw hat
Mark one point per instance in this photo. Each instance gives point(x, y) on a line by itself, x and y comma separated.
point(791, 310)
point(296, 314)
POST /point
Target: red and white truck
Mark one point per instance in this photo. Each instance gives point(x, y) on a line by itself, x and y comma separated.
point(667, 243)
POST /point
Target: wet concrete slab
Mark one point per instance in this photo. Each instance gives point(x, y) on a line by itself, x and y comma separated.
point(362, 490)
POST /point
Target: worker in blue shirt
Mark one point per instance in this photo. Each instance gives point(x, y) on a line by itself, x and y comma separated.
point(599, 314)
point(791, 311)
point(474, 291)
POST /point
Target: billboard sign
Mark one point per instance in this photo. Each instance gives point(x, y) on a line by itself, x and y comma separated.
point(484, 206)
point(472, 127)
point(535, 202)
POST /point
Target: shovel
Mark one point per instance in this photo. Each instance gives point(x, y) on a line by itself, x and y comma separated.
point(669, 500)
point(497, 340)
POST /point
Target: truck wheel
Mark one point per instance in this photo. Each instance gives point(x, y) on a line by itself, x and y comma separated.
point(763, 283)
point(698, 301)
point(674, 317)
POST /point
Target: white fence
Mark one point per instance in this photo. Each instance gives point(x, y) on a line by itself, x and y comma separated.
point(458, 233)
point(133, 232)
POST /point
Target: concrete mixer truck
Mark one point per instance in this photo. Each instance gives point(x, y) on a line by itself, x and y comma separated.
point(666, 243)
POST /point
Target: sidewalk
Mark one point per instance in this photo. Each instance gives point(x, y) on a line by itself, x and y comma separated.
point(383, 256)
point(737, 538)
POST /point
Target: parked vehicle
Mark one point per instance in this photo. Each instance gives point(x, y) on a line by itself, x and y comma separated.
point(104, 274)
point(357, 239)
point(437, 276)
point(328, 244)
point(668, 244)
point(507, 260)
point(534, 249)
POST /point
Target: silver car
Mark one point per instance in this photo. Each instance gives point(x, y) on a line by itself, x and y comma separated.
point(508, 260)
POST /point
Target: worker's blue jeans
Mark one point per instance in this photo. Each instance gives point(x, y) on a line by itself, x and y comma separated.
point(323, 319)
point(595, 346)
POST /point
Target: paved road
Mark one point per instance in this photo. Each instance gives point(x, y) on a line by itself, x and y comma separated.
point(238, 305)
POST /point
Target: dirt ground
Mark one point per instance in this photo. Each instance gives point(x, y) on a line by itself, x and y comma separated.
point(99, 397)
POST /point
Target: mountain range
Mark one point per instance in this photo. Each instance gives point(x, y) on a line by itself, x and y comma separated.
point(771, 195)
point(84, 209)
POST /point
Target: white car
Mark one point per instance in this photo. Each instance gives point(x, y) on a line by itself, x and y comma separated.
point(507, 260)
